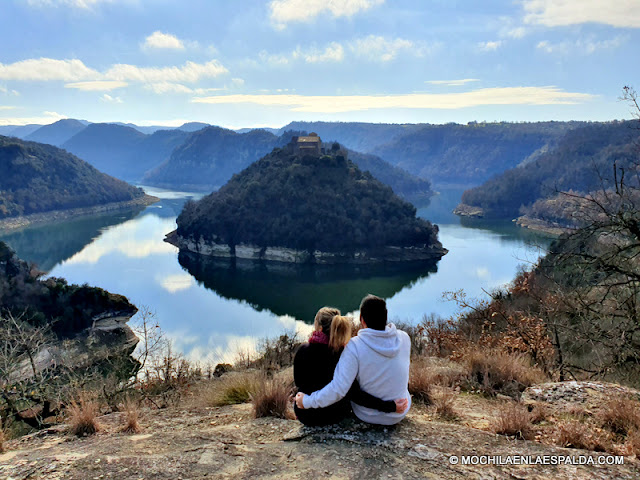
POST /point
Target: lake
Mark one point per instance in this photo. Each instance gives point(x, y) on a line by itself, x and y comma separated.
point(213, 308)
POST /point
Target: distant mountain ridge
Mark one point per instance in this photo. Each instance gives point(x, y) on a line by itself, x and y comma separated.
point(57, 133)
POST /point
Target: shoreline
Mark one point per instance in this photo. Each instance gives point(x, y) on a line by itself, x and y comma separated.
point(23, 221)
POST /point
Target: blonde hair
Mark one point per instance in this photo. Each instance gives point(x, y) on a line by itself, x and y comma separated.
point(322, 322)
point(340, 332)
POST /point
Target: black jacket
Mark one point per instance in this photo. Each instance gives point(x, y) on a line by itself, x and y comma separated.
point(313, 368)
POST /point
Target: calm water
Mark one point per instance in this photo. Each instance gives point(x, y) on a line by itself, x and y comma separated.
point(213, 308)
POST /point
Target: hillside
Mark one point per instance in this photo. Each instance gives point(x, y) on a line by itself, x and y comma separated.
point(123, 151)
point(307, 203)
point(40, 178)
point(581, 157)
point(57, 133)
point(472, 153)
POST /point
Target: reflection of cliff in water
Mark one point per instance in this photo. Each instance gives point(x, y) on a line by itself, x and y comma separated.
point(47, 245)
point(300, 290)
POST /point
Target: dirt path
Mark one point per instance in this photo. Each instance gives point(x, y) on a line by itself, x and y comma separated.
point(226, 442)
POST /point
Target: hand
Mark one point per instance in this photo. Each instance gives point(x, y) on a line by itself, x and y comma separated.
point(299, 398)
point(401, 404)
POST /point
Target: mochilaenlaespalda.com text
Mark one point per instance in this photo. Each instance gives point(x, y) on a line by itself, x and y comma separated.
point(536, 460)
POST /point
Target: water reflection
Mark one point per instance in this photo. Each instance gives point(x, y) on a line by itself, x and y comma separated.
point(298, 290)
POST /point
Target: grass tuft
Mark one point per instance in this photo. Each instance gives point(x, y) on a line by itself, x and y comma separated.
point(272, 399)
point(132, 417)
point(82, 416)
point(514, 420)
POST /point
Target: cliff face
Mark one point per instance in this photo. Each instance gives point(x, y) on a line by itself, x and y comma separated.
point(306, 209)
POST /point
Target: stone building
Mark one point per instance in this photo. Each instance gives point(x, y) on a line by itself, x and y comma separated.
point(310, 144)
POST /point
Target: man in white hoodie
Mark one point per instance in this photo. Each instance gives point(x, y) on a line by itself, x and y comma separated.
point(378, 357)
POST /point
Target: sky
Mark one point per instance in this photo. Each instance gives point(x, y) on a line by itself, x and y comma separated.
point(259, 63)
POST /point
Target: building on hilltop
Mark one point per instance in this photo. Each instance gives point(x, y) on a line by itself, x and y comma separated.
point(310, 144)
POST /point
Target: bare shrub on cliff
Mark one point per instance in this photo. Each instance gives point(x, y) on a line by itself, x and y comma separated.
point(620, 415)
point(575, 434)
point(421, 381)
point(82, 415)
point(132, 417)
point(444, 400)
point(514, 420)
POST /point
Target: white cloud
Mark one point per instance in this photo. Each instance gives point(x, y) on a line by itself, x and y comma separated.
point(83, 4)
point(6, 107)
point(516, 32)
point(583, 46)
point(97, 85)
point(555, 13)
point(164, 41)
point(273, 59)
point(334, 52)
point(168, 87)
point(286, 11)
point(237, 82)
point(382, 49)
point(453, 83)
point(348, 103)
point(43, 69)
point(109, 99)
point(190, 72)
point(177, 282)
point(489, 46)
point(45, 119)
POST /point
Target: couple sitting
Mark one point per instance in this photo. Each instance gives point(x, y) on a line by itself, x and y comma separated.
point(367, 374)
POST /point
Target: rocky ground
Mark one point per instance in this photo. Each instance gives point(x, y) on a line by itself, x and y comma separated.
point(196, 442)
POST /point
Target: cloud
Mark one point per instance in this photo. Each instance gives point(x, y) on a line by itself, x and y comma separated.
point(583, 46)
point(6, 107)
point(453, 83)
point(557, 13)
point(489, 46)
point(109, 99)
point(164, 41)
point(43, 69)
point(190, 72)
point(287, 11)
point(97, 85)
point(83, 4)
point(549, 95)
point(177, 282)
point(382, 49)
point(334, 52)
point(45, 119)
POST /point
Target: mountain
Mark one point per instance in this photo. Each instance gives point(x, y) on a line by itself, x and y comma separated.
point(39, 178)
point(322, 206)
point(470, 154)
point(582, 161)
point(209, 157)
point(22, 131)
point(57, 133)
point(360, 136)
point(193, 126)
point(123, 151)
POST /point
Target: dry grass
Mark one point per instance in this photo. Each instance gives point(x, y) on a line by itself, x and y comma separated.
point(272, 399)
point(232, 389)
point(421, 380)
point(575, 434)
point(132, 417)
point(620, 415)
point(82, 415)
point(632, 445)
point(495, 371)
point(514, 420)
point(539, 414)
point(444, 401)
point(3, 438)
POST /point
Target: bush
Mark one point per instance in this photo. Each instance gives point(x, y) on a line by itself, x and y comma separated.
point(514, 420)
point(443, 401)
point(495, 371)
point(2, 439)
point(574, 434)
point(421, 380)
point(620, 415)
point(272, 399)
point(82, 415)
point(132, 415)
point(232, 389)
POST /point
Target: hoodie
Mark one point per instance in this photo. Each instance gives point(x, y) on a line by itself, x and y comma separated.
point(379, 360)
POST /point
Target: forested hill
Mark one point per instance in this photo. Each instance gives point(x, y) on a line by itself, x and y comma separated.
point(39, 178)
point(57, 133)
point(306, 203)
point(209, 157)
point(578, 162)
point(122, 151)
point(472, 153)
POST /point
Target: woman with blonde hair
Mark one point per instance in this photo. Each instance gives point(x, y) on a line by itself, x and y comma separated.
point(315, 362)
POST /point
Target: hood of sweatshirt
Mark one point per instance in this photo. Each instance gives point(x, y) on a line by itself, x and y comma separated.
point(385, 342)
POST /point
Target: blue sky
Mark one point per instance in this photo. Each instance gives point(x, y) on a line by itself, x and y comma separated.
point(245, 63)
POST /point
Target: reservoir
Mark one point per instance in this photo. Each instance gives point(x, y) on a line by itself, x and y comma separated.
point(212, 308)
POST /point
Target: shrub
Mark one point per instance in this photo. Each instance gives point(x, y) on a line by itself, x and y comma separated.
point(495, 371)
point(620, 415)
point(632, 445)
point(421, 379)
point(82, 415)
point(443, 401)
point(272, 399)
point(514, 420)
point(2, 439)
point(574, 434)
point(132, 415)
point(232, 389)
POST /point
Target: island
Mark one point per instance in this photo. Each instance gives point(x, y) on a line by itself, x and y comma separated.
point(306, 203)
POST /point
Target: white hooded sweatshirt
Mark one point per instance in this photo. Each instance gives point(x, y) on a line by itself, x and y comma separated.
point(379, 360)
